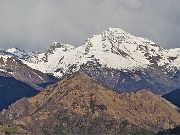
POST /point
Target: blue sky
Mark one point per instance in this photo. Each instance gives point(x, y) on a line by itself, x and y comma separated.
point(35, 24)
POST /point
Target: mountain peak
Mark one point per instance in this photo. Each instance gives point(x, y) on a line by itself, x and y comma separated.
point(118, 30)
point(79, 74)
point(13, 49)
point(59, 45)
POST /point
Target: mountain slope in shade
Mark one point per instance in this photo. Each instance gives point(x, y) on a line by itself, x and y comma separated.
point(11, 66)
point(80, 105)
point(175, 131)
point(173, 97)
point(12, 90)
point(112, 56)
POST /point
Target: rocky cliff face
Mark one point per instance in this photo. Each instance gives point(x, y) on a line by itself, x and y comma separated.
point(130, 81)
point(80, 105)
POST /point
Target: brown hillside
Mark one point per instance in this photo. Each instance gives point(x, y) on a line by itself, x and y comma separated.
point(80, 105)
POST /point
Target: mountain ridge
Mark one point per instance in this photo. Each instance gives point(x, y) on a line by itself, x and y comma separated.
point(80, 100)
point(114, 51)
point(117, 42)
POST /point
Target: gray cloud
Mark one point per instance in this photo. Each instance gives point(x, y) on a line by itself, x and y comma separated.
point(35, 24)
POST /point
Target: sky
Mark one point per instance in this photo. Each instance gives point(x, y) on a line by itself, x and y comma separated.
point(33, 25)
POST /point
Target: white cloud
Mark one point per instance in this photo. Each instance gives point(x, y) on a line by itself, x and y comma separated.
point(133, 4)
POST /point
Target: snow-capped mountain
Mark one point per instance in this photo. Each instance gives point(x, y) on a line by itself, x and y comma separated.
point(112, 54)
point(113, 48)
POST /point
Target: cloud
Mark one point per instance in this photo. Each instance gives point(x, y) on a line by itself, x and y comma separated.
point(132, 4)
point(35, 24)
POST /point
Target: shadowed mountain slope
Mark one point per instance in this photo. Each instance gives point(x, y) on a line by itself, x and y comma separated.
point(173, 97)
point(175, 131)
point(12, 90)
